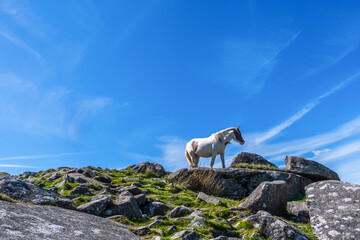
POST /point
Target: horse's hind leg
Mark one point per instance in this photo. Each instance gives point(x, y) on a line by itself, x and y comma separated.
point(189, 158)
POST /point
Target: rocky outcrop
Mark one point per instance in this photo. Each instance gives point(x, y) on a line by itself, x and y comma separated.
point(310, 169)
point(236, 183)
point(155, 168)
point(30, 193)
point(268, 196)
point(275, 228)
point(334, 209)
point(24, 221)
point(250, 158)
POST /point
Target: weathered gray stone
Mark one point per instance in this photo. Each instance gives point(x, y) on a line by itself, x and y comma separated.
point(79, 179)
point(156, 223)
point(334, 209)
point(101, 195)
point(103, 179)
point(222, 237)
point(67, 178)
point(243, 214)
point(141, 199)
point(179, 211)
point(197, 222)
point(180, 234)
point(96, 207)
point(192, 236)
point(208, 199)
point(23, 221)
point(250, 158)
point(156, 208)
point(154, 168)
point(156, 238)
point(310, 169)
point(27, 192)
point(275, 228)
point(268, 196)
point(172, 228)
point(126, 205)
point(298, 209)
point(133, 189)
point(144, 230)
point(54, 176)
point(90, 173)
point(196, 213)
point(29, 174)
point(236, 183)
point(78, 190)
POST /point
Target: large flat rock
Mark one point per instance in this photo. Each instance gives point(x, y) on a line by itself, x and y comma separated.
point(310, 169)
point(334, 209)
point(236, 183)
point(23, 221)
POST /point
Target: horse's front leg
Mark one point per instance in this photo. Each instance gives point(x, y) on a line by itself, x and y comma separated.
point(222, 155)
point(212, 160)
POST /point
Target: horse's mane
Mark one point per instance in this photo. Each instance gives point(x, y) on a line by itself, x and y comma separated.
point(221, 133)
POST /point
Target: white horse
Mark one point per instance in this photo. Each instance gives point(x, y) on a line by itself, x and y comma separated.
point(211, 146)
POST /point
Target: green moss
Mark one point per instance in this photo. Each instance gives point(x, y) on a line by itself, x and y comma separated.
point(255, 166)
point(96, 186)
point(245, 225)
point(5, 197)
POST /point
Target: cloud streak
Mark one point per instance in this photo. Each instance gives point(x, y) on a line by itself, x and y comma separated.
point(248, 63)
point(262, 137)
point(43, 156)
point(16, 166)
point(18, 42)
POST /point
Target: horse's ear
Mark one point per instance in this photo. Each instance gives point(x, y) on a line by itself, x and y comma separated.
point(238, 128)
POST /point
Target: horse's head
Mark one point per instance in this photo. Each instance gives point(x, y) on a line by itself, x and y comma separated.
point(238, 137)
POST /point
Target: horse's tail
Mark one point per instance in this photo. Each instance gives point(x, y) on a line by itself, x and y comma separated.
point(188, 158)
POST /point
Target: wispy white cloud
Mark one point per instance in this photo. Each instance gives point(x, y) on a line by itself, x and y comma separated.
point(16, 166)
point(340, 152)
point(264, 136)
point(349, 169)
point(320, 151)
point(27, 107)
point(248, 63)
point(87, 109)
point(173, 152)
point(22, 44)
point(43, 156)
point(277, 151)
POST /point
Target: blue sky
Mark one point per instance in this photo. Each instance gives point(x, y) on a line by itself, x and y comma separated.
point(114, 83)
